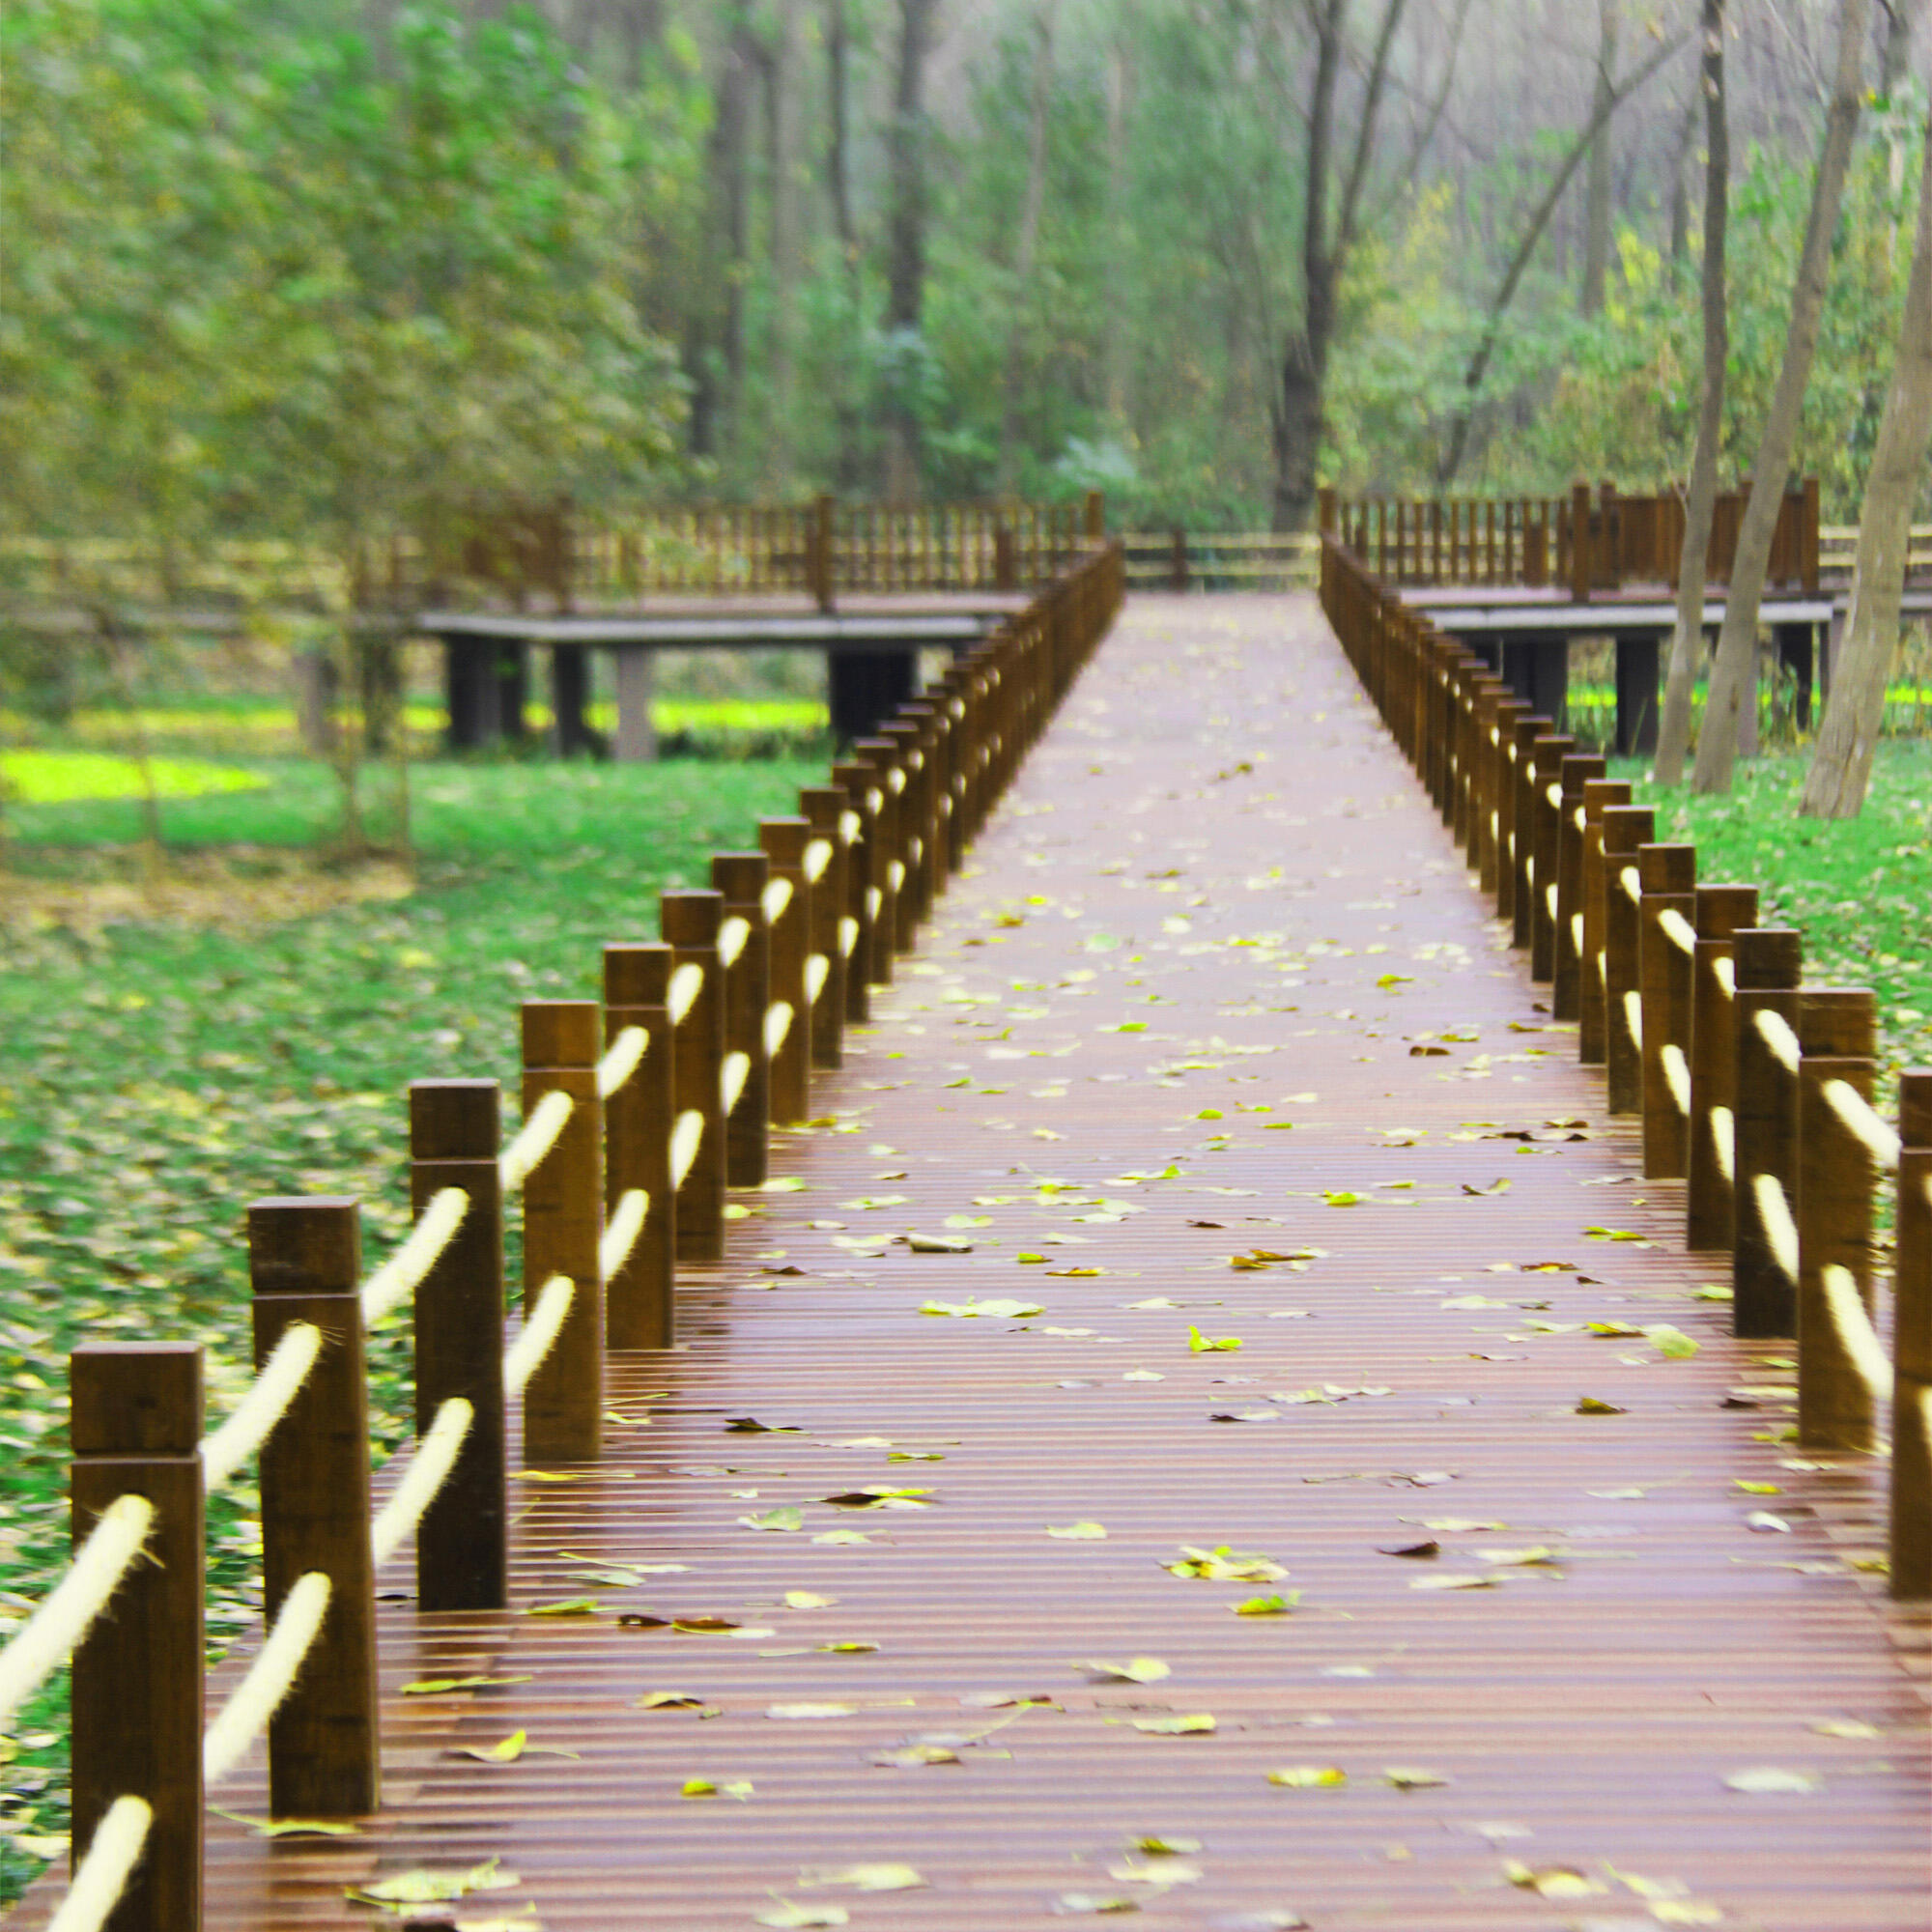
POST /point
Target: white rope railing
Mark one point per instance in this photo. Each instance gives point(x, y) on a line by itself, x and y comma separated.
point(817, 856)
point(1724, 1141)
point(1726, 972)
point(1678, 929)
point(525, 1355)
point(112, 1854)
point(874, 899)
point(1549, 900)
point(436, 1454)
point(225, 1449)
point(1774, 1210)
point(402, 1274)
point(896, 875)
point(622, 1231)
point(733, 936)
point(1676, 1075)
point(850, 826)
point(625, 1056)
point(776, 896)
point(48, 1638)
point(1577, 933)
point(1633, 1016)
point(686, 983)
point(1555, 794)
point(896, 781)
point(538, 1135)
point(817, 971)
point(848, 935)
point(685, 1138)
point(1863, 1347)
point(270, 1679)
point(1579, 818)
point(1632, 884)
point(1863, 1122)
point(777, 1024)
point(1776, 1034)
point(732, 1074)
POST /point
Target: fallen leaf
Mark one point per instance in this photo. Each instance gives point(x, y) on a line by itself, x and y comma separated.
point(880, 1877)
point(1406, 1777)
point(1590, 1405)
point(1669, 1341)
point(1223, 1565)
point(1000, 1307)
point(785, 1517)
point(907, 1758)
point(1420, 1550)
point(1268, 1607)
point(795, 1918)
point(1191, 1723)
point(566, 1606)
point(1309, 1776)
point(1844, 1728)
point(1136, 1670)
point(1553, 1881)
point(1446, 1582)
point(265, 1828)
point(428, 1887)
point(739, 1788)
point(1077, 1903)
point(1764, 1521)
point(1495, 1187)
point(808, 1600)
point(937, 1244)
point(1767, 1780)
point(436, 1687)
point(1342, 1197)
point(670, 1700)
point(1198, 1343)
point(1079, 1532)
point(808, 1713)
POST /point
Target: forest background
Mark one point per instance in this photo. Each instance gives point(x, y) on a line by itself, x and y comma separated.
point(312, 268)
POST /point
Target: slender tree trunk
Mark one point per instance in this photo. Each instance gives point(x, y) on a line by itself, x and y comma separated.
point(1596, 219)
point(1734, 674)
point(1841, 771)
point(1901, 22)
point(1680, 184)
point(780, 59)
point(1687, 641)
point(905, 250)
point(1027, 243)
point(846, 461)
point(1114, 346)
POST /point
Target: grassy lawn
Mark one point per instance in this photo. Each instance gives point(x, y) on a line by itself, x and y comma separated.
point(154, 1079)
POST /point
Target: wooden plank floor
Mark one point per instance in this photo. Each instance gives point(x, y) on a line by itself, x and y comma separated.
point(1215, 905)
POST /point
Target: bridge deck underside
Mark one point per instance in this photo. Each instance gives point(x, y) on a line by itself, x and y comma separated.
point(1216, 967)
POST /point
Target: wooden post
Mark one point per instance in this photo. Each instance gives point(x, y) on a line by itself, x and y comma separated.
point(865, 866)
point(1521, 829)
point(1837, 1184)
point(1096, 516)
point(563, 1224)
point(1768, 963)
point(824, 807)
point(1669, 874)
point(1911, 1539)
point(1708, 1217)
point(640, 1299)
point(690, 922)
point(1498, 877)
point(878, 757)
point(1626, 829)
point(1580, 542)
point(1567, 925)
point(742, 877)
point(136, 1699)
point(823, 559)
point(789, 925)
point(1547, 754)
point(305, 1265)
point(1593, 1017)
point(907, 732)
point(1006, 570)
point(461, 1542)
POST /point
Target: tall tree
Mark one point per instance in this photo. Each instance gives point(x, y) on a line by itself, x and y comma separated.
point(1597, 215)
point(1027, 242)
point(1734, 672)
point(1687, 640)
point(1841, 771)
point(905, 250)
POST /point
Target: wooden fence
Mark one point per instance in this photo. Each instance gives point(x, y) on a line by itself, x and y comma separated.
point(638, 1113)
point(1752, 1086)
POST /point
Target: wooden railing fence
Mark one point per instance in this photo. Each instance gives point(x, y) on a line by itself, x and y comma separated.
point(639, 1113)
point(1751, 1085)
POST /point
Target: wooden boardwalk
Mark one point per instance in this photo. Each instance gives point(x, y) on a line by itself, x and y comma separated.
point(1215, 986)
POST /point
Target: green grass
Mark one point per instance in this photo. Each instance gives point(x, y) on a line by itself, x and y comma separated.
point(154, 1080)
point(1859, 889)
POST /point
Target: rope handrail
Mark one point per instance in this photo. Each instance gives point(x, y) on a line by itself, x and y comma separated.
point(1633, 1016)
point(874, 899)
point(621, 1231)
point(1632, 881)
point(850, 826)
point(1859, 1339)
point(777, 1024)
point(732, 1074)
point(1724, 971)
point(686, 1137)
point(436, 1452)
point(1776, 1034)
point(402, 1274)
point(535, 1140)
point(817, 856)
point(1676, 1075)
point(896, 873)
point(1555, 794)
point(1577, 931)
point(848, 934)
point(65, 1613)
point(1780, 1229)
point(624, 1056)
point(1724, 1141)
point(1550, 899)
point(1580, 819)
point(225, 1449)
point(731, 938)
point(270, 1678)
point(1678, 929)
point(776, 897)
point(525, 1355)
point(817, 971)
point(686, 983)
point(112, 1854)
point(1863, 1121)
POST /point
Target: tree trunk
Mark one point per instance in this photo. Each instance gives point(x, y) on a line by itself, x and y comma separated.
point(1841, 771)
point(716, 356)
point(905, 250)
point(1687, 641)
point(1028, 242)
point(1596, 217)
point(1901, 19)
point(1734, 674)
point(1113, 341)
point(846, 461)
point(778, 61)
point(1680, 184)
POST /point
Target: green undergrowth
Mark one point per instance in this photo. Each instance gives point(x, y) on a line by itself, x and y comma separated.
point(1859, 889)
point(154, 1079)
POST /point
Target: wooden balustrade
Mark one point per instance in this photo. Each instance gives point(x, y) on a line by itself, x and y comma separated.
point(1755, 1086)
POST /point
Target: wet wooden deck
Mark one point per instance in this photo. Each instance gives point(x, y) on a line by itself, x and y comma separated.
point(1216, 985)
